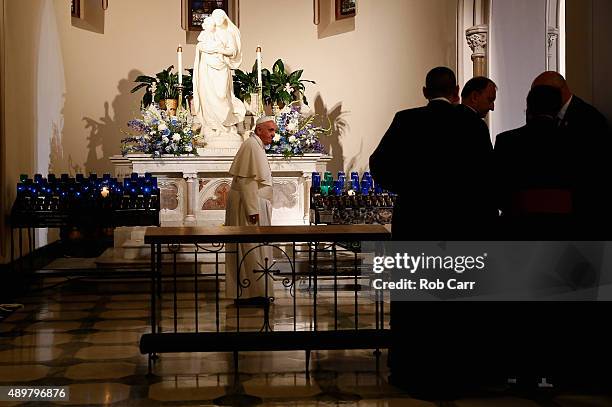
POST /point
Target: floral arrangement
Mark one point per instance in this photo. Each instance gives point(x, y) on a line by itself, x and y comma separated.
point(159, 133)
point(297, 134)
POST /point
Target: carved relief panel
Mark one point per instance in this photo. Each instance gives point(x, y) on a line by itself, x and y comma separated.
point(172, 198)
point(213, 194)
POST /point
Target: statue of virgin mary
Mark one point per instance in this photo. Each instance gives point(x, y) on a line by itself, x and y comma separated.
point(218, 53)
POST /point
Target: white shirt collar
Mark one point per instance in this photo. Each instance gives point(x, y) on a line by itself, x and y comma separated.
point(563, 111)
point(443, 99)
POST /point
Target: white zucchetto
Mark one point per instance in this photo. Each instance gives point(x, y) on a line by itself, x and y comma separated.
point(264, 119)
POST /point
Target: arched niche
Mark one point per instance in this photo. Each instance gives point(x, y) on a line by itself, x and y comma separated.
point(511, 42)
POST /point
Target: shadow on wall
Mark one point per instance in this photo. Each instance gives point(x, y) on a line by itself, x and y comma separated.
point(57, 161)
point(56, 153)
point(333, 143)
point(104, 139)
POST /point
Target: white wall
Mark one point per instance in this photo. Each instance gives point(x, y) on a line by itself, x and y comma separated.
point(518, 55)
point(363, 75)
point(68, 82)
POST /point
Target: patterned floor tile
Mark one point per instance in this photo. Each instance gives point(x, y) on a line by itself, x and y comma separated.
point(22, 373)
point(98, 393)
point(113, 337)
point(89, 371)
point(184, 390)
point(29, 355)
point(43, 339)
point(109, 352)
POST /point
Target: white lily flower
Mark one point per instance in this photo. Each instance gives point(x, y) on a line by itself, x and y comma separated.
point(165, 139)
point(276, 137)
point(176, 137)
point(293, 124)
point(306, 111)
point(288, 88)
point(292, 139)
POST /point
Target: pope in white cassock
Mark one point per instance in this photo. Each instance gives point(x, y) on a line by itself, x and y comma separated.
point(249, 203)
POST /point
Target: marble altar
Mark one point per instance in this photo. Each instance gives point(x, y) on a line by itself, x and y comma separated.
point(193, 188)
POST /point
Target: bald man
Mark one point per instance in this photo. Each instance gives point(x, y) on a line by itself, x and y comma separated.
point(587, 133)
point(575, 114)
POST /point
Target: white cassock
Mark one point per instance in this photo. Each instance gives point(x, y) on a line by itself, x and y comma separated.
point(251, 193)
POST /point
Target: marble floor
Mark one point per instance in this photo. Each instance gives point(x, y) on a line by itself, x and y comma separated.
point(85, 337)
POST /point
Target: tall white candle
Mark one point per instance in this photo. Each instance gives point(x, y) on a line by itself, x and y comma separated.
point(179, 51)
point(259, 82)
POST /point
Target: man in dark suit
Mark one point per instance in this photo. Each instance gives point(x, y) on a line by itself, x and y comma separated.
point(541, 186)
point(587, 131)
point(575, 114)
point(477, 100)
point(537, 187)
point(478, 97)
point(428, 159)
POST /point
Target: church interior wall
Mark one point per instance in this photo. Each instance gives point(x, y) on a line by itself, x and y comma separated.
point(589, 60)
point(517, 55)
point(580, 47)
point(602, 57)
point(69, 84)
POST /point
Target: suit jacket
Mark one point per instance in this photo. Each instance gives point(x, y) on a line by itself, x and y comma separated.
point(584, 120)
point(538, 189)
point(588, 132)
point(480, 128)
point(431, 157)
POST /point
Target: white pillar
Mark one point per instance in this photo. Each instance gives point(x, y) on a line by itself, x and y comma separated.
point(191, 179)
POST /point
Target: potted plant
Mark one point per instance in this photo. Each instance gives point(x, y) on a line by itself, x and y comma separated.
point(246, 87)
point(281, 87)
point(165, 89)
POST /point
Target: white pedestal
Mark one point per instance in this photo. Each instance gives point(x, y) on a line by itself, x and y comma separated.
point(194, 188)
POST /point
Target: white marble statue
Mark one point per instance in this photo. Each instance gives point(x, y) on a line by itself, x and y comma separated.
point(218, 53)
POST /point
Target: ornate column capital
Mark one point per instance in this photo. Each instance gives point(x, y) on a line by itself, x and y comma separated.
point(477, 38)
point(552, 35)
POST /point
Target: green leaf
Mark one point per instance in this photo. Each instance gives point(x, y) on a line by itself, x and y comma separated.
point(137, 88)
point(144, 78)
point(295, 76)
point(279, 67)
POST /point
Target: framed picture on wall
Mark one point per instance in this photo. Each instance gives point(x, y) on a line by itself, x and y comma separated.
point(75, 8)
point(345, 9)
point(198, 10)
